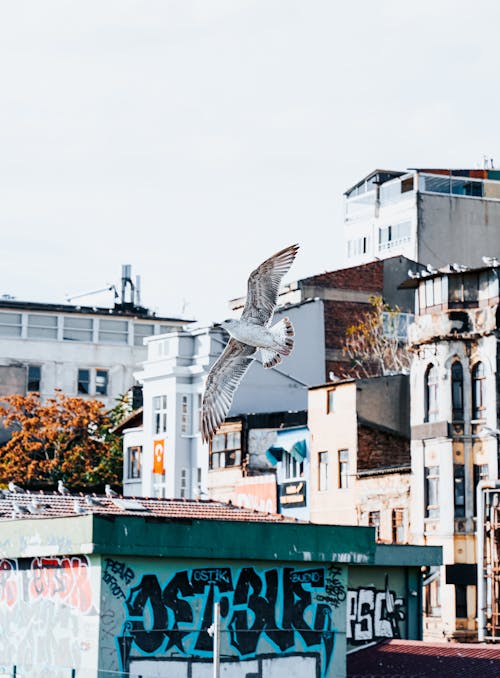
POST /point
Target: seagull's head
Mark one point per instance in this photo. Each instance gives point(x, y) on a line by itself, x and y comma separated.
point(228, 324)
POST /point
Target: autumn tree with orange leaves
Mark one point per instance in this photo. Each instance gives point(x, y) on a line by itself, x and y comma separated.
point(374, 344)
point(64, 438)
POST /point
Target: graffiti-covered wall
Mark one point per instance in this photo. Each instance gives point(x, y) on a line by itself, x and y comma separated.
point(276, 620)
point(383, 603)
point(49, 615)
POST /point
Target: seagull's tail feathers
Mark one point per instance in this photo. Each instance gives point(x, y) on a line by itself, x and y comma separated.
point(269, 358)
point(283, 334)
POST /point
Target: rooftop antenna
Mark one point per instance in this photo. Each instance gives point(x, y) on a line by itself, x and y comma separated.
point(127, 281)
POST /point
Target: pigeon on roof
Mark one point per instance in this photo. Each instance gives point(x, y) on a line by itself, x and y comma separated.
point(92, 501)
point(15, 488)
point(77, 508)
point(62, 489)
point(109, 492)
point(250, 333)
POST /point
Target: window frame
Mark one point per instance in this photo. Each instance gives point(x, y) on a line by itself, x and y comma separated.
point(81, 380)
point(398, 527)
point(431, 395)
point(134, 462)
point(160, 404)
point(343, 468)
point(30, 378)
point(228, 450)
point(323, 471)
point(374, 520)
point(431, 491)
point(478, 382)
point(457, 391)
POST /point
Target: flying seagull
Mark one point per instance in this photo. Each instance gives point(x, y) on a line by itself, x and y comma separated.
point(250, 333)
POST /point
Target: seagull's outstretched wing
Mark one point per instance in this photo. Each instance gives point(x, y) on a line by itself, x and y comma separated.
point(263, 286)
point(222, 381)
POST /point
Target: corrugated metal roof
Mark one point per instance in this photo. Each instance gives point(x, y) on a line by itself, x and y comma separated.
point(420, 659)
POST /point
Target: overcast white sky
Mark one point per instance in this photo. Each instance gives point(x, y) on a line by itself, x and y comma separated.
point(194, 138)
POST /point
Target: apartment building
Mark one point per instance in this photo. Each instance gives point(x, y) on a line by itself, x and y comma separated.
point(360, 455)
point(432, 216)
point(454, 449)
point(85, 351)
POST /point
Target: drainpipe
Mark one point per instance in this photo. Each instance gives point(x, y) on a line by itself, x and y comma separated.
point(483, 601)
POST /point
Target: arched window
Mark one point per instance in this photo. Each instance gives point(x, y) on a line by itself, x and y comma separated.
point(457, 391)
point(478, 391)
point(431, 393)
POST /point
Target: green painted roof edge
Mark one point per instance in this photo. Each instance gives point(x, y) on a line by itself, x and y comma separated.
point(408, 554)
point(234, 540)
point(186, 538)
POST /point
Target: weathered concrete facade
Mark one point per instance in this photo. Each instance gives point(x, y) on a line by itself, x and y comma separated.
point(454, 387)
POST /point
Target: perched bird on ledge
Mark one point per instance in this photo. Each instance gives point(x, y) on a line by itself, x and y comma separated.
point(250, 333)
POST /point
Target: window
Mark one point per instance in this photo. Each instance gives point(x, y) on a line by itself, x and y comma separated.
point(197, 418)
point(101, 382)
point(134, 455)
point(343, 469)
point(322, 471)
point(407, 185)
point(42, 326)
point(432, 591)
point(77, 329)
point(225, 450)
point(398, 526)
point(391, 236)
point(481, 472)
point(183, 491)
point(83, 382)
point(92, 382)
point(113, 331)
point(291, 467)
point(461, 601)
point(330, 401)
point(430, 293)
point(463, 289)
point(374, 521)
point(34, 378)
point(142, 330)
point(431, 394)
point(459, 490)
point(184, 414)
point(478, 391)
point(432, 491)
point(457, 391)
point(160, 414)
point(10, 324)
point(358, 246)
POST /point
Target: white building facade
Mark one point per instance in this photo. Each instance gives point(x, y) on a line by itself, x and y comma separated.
point(432, 216)
point(83, 351)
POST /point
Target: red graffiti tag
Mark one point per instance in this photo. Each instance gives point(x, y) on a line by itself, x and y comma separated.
point(64, 579)
point(8, 582)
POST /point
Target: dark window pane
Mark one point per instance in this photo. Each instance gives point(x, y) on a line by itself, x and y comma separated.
point(101, 382)
point(461, 601)
point(34, 377)
point(459, 490)
point(83, 381)
point(457, 391)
